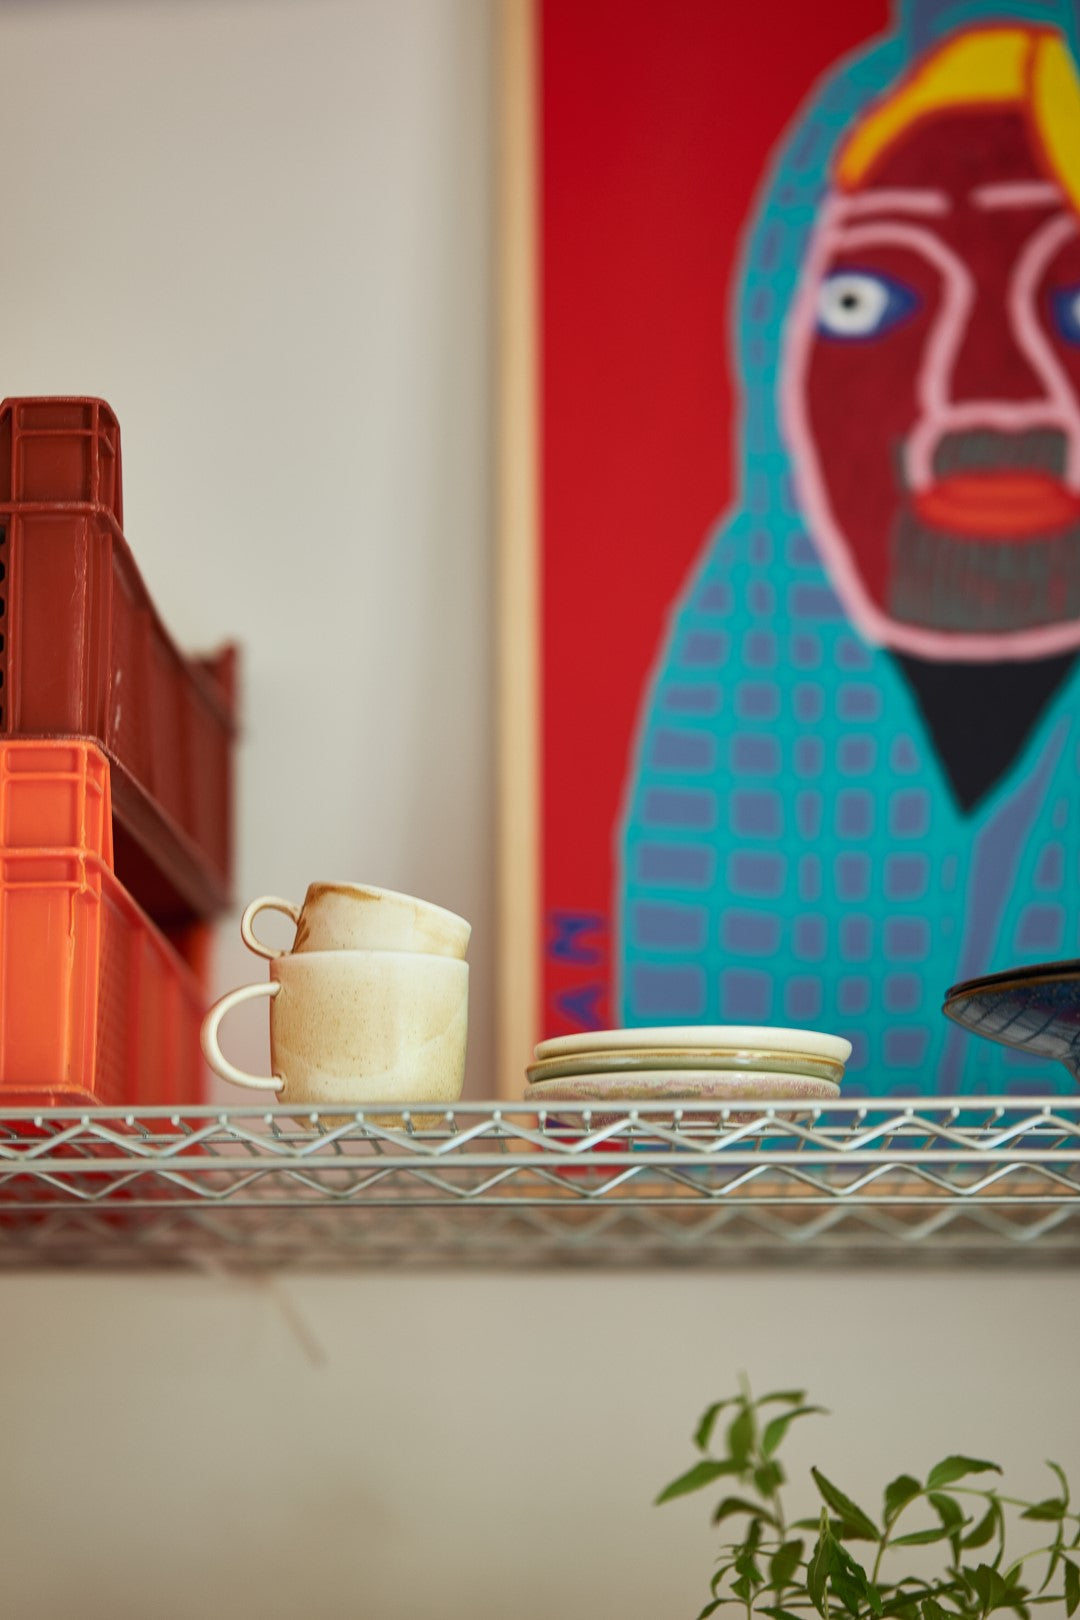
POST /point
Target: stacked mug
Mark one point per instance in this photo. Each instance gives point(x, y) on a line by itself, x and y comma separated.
point(370, 1005)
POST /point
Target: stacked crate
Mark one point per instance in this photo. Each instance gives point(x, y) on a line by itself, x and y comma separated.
point(116, 786)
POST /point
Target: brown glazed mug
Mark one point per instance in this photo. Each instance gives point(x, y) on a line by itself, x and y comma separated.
point(358, 917)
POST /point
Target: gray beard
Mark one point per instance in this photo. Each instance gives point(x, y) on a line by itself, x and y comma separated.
point(939, 582)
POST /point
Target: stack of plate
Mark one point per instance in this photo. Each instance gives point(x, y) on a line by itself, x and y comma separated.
point(698, 1064)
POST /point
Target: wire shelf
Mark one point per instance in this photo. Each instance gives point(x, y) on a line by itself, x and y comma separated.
point(505, 1185)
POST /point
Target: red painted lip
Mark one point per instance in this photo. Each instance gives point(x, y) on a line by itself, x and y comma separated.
point(998, 505)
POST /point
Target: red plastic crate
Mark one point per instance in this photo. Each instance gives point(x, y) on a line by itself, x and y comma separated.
point(61, 451)
point(95, 1007)
point(85, 654)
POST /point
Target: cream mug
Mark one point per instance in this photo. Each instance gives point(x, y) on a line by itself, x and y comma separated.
point(357, 917)
point(356, 1027)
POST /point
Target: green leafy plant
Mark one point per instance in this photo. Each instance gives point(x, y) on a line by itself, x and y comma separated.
point(787, 1569)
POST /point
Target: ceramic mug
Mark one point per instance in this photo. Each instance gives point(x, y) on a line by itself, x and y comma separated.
point(356, 1027)
point(357, 917)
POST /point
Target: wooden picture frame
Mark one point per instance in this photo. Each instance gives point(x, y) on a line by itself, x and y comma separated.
point(517, 521)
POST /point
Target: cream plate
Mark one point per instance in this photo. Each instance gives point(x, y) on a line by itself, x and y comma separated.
point(701, 1037)
point(634, 1060)
point(659, 1084)
point(685, 1088)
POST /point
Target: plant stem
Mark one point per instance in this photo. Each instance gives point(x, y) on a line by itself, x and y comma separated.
point(886, 1531)
point(1009, 1501)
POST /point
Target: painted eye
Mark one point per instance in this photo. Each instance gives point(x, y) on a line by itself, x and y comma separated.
point(1065, 304)
point(856, 304)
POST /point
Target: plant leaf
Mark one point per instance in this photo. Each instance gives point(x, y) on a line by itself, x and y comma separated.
point(1014, 1593)
point(856, 1522)
point(784, 1562)
point(748, 1570)
point(817, 1571)
point(739, 1504)
point(983, 1530)
point(778, 1427)
point(956, 1468)
point(949, 1512)
point(790, 1397)
point(768, 1478)
point(1060, 1472)
point(847, 1591)
point(1051, 1509)
point(904, 1489)
point(718, 1577)
point(779, 1614)
point(918, 1586)
point(904, 1604)
point(850, 1581)
point(711, 1608)
point(921, 1538)
point(1054, 1560)
point(740, 1437)
point(932, 1610)
point(703, 1432)
point(1072, 1587)
point(989, 1584)
point(695, 1479)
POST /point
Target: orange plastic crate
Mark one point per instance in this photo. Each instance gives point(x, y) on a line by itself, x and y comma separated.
point(95, 1006)
point(55, 795)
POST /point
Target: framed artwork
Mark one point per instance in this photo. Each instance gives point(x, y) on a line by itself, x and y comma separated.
point(789, 512)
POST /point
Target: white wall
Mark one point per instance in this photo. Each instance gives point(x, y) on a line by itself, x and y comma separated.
point(392, 1449)
point(260, 230)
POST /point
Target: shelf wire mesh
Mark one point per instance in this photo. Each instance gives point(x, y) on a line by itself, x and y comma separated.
point(498, 1184)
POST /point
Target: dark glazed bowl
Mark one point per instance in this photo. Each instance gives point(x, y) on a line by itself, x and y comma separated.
point(1036, 1009)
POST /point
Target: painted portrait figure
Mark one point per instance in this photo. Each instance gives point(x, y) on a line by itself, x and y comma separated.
point(856, 777)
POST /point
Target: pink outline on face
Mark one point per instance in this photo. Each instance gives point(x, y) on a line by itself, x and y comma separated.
point(1056, 407)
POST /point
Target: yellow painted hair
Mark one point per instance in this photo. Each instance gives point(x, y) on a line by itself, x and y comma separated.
point(1023, 67)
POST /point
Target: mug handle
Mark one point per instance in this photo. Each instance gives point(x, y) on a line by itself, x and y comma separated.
point(211, 1049)
point(268, 902)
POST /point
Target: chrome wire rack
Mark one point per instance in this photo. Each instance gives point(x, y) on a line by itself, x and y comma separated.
point(503, 1185)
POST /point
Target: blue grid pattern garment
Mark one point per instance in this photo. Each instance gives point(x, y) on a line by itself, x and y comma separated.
point(791, 852)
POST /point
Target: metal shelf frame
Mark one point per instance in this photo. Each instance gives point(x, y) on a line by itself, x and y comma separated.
point(918, 1180)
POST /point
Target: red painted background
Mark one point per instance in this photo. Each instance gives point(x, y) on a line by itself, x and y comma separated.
point(656, 123)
